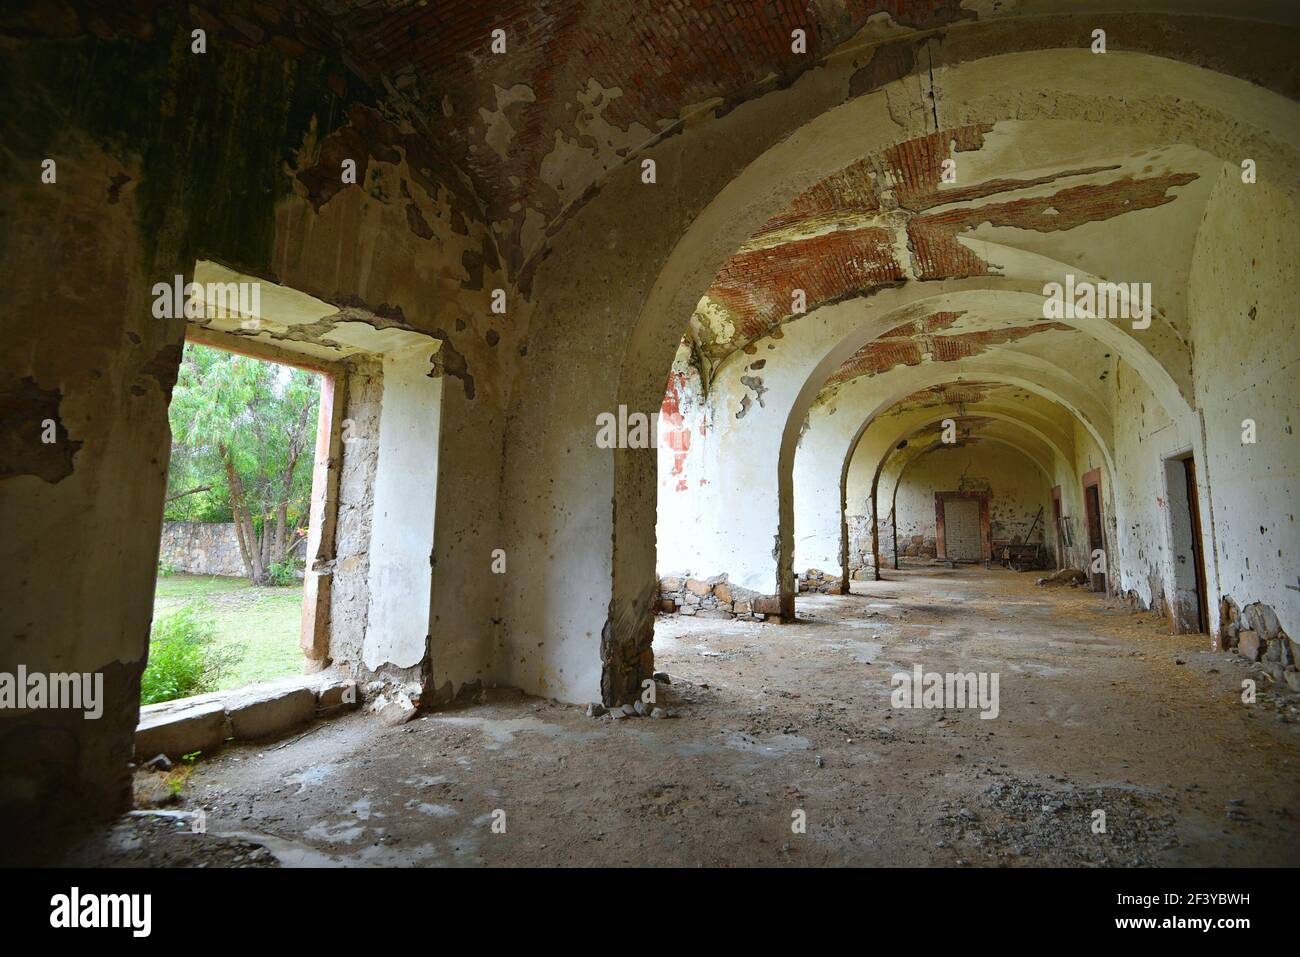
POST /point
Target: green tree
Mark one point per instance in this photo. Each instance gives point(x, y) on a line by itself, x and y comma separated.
point(241, 433)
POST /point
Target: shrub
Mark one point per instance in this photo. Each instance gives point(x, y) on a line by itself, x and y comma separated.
point(165, 569)
point(182, 659)
point(283, 573)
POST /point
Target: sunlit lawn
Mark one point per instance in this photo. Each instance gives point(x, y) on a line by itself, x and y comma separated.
point(263, 622)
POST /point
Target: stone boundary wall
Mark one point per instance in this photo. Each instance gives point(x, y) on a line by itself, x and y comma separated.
point(714, 598)
point(201, 548)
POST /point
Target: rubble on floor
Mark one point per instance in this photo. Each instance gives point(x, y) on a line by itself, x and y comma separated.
point(1065, 576)
point(1058, 824)
point(1101, 709)
point(713, 597)
point(816, 580)
point(1256, 635)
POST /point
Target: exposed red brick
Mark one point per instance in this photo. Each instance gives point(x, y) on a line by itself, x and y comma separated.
point(931, 323)
point(851, 190)
point(952, 393)
point(916, 165)
point(756, 286)
point(878, 356)
point(938, 255)
point(673, 427)
point(948, 348)
point(662, 57)
point(893, 349)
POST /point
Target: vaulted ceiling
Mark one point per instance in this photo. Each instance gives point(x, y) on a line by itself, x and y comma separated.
point(892, 218)
point(584, 84)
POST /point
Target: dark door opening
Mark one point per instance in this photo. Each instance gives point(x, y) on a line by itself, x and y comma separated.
point(1096, 539)
point(1198, 561)
point(1056, 525)
point(1188, 604)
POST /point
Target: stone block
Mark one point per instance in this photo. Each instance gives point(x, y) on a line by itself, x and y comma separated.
point(203, 727)
point(1261, 618)
point(697, 587)
point(722, 591)
point(1249, 645)
point(767, 606)
point(274, 712)
point(337, 694)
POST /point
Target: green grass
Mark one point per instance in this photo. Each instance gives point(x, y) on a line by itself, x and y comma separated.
point(263, 623)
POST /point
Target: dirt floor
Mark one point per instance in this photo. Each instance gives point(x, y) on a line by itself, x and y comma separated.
point(1099, 709)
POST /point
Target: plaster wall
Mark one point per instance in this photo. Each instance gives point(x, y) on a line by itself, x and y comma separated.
point(85, 510)
point(402, 532)
point(1243, 301)
point(1147, 435)
point(1015, 483)
point(142, 194)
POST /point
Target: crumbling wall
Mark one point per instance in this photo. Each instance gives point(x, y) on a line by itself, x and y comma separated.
point(81, 540)
point(350, 590)
point(1243, 299)
point(1255, 633)
point(686, 465)
point(153, 176)
point(1144, 433)
point(712, 598)
point(1240, 301)
point(861, 557)
point(1087, 455)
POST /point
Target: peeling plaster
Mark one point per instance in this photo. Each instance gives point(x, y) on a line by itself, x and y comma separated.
point(23, 411)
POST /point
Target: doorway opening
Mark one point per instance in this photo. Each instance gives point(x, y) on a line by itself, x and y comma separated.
point(229, 606)
point(1056, 526)
point(1187, 605)
point(962, 531)
point(1096, 537)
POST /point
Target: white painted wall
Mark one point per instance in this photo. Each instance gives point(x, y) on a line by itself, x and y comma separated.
point(405, 497)
point(1244, 301)
point(1016, 485)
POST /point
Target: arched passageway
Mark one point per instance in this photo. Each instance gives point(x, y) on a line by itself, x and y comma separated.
point(948, 286)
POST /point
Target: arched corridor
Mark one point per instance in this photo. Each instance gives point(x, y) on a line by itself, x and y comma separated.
point(701, 361)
